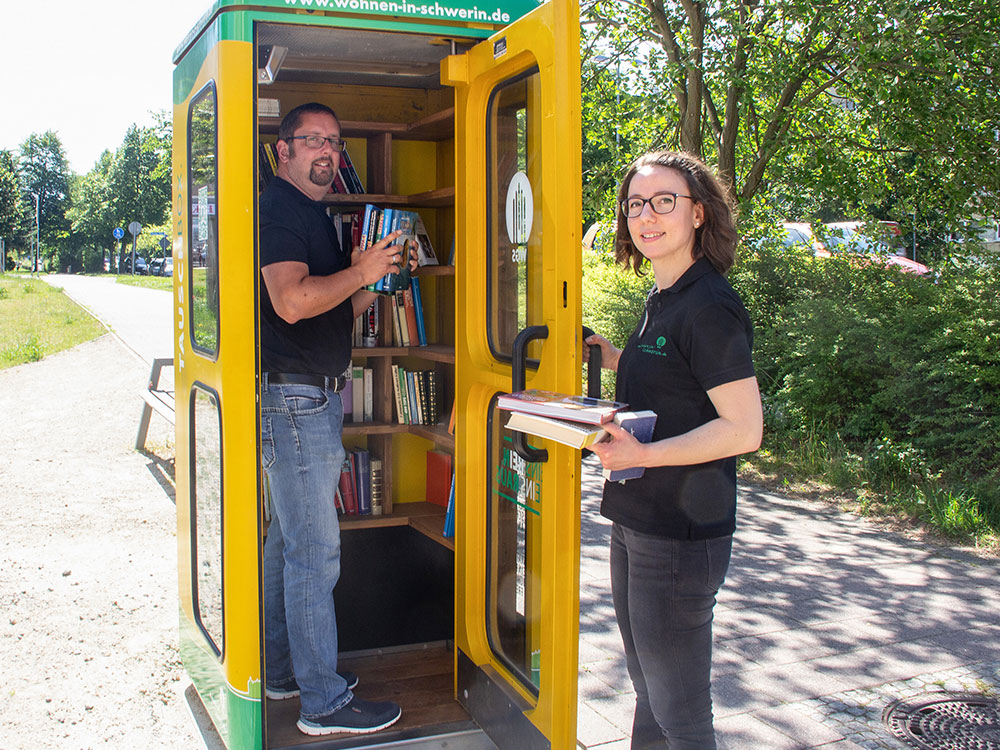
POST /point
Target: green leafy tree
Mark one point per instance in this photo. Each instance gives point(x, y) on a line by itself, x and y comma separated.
point(867, 107)
point(92, 217)
point(139, 178)
point(11, 214)
point(44, 171)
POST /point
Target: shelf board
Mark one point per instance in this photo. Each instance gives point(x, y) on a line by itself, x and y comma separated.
point(427, 518)
point(435, 271)
point(436, 433)
point(438, 198)
point(437, 126)
point(431, 352)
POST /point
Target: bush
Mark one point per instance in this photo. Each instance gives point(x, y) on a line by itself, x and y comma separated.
point(871, 378)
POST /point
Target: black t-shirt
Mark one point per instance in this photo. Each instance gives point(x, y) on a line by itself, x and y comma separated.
point(694, 336)
point(295, 227)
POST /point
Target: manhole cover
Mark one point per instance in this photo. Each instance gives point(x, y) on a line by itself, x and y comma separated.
point(946, 721)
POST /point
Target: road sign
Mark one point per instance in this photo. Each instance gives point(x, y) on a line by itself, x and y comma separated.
point(135, 227)
point(118, 233)
point(164, 243)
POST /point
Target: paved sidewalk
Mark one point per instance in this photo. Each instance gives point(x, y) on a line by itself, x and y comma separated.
point(824, 621)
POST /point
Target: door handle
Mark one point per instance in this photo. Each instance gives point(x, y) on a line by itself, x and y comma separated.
point(518, 378)
point(593, 367)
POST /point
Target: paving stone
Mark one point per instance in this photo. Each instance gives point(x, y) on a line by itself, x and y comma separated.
point(593, 729)
point(746, 732)
point(790, 720)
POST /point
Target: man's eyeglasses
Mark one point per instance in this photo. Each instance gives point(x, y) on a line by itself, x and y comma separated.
point(663, 203)
point(316, 142)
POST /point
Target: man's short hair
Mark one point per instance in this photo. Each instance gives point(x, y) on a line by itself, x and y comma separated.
point(291, 121)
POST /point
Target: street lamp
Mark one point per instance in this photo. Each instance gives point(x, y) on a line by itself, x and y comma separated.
point(35, 196)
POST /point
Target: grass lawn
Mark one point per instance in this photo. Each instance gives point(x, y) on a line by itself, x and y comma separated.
point(164, 283)
point(39, 320)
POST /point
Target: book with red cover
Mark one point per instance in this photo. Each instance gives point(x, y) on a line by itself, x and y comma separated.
point(561, 406)
point(438, 477)
point(411, 317)
point(346, 485)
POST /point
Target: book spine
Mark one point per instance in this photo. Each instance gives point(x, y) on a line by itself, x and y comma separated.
point(411, 317)
point(376, 486)
point(347, 396)
point(400, 307)
point(405, 396)
point(395, 390)
point(363, 477)
point(358, 392)
point(418, 311)
point(369, 394)
point(346, 485)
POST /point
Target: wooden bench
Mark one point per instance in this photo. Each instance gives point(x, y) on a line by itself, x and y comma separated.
point(155, 399)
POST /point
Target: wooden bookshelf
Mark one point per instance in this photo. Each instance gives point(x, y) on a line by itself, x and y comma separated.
point(427, 518)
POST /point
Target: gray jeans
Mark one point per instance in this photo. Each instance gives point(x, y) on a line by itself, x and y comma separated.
point(664, 593)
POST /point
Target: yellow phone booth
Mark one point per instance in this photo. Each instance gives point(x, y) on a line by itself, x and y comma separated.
point(469, 117)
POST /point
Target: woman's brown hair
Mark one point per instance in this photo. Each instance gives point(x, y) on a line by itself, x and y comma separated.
point(715, 239)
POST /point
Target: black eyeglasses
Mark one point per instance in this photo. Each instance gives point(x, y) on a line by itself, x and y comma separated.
point(316, 142)
point(663, 203)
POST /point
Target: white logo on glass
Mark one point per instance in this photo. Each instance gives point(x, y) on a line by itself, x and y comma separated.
point(520, 213)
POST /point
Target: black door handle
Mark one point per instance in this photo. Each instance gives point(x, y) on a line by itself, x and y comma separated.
point(518, 378)
point(593, 367)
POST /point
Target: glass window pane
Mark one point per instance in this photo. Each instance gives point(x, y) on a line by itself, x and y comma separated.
point(203, 277)
point(206, 512)
point(514, 202)
point(514, 516)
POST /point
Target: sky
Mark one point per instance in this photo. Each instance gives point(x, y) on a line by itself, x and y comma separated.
point(87, 70)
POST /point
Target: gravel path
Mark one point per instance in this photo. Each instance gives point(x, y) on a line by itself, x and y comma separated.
point(88, 582)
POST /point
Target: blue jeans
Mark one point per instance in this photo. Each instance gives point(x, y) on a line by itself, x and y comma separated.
point(664, 593)
point(302, 454)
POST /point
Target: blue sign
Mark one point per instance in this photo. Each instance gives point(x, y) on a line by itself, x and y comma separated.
point(118, 233)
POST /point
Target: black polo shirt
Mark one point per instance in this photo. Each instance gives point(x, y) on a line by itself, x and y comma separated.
point(295, 227)
point(694, 336)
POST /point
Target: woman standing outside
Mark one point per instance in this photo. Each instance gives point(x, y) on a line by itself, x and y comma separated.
point(689, 361)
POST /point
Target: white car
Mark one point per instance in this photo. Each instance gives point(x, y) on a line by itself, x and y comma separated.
point(882, 239)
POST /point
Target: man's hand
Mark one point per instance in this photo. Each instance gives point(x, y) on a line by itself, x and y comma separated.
point(379, 259)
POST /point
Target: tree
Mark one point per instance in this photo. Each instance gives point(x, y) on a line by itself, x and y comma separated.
point(11, 215)
point(91, 215)
point(886, 106)
point(139, 179)
point(44, 171)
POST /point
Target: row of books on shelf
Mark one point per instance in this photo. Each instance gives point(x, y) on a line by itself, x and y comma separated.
point(346, 180)
point(576, 421)
point(417, 395)
point(359, 491)
point(378, 223)
point(404, 320)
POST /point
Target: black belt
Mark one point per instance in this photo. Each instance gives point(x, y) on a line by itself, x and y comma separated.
point(335, 383)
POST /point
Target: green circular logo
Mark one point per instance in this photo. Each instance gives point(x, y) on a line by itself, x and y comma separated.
point(661, 341)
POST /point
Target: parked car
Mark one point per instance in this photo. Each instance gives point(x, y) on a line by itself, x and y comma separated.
point(141, 267)
point(881, 239)
point(167, 269)
point(801, 233)
point(155, 267)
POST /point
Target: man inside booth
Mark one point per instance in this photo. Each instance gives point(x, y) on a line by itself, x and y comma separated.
point(312, 291)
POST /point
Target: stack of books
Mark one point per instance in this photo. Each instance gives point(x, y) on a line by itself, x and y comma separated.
point(576, 421)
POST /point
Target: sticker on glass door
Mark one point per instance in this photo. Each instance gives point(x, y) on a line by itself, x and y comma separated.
point(520, 214)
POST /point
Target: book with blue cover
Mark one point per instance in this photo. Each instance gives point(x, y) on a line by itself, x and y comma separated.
point(640, 425)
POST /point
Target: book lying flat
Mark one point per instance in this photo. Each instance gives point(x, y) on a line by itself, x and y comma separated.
point(640, 425)
point(573, 434)
point(560, 406)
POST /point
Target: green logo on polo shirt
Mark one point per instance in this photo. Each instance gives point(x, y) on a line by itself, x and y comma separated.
point(661, 341)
